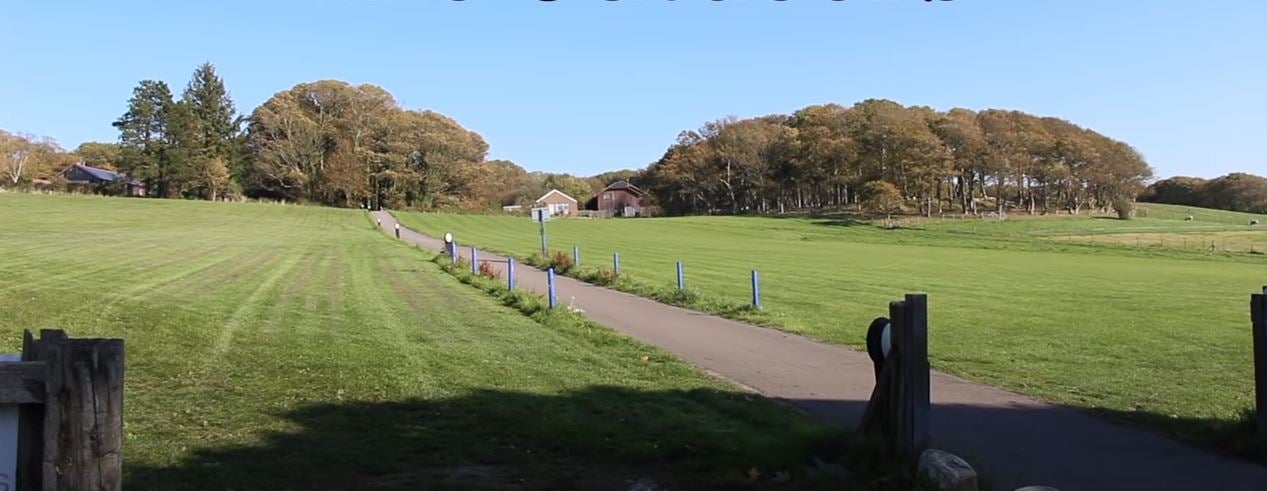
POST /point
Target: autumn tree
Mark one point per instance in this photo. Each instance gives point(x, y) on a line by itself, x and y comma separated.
point(350, 145)
point(821, 156)
point(573, 186)
point(99, 154)
point(15, 154)
point(881, 197)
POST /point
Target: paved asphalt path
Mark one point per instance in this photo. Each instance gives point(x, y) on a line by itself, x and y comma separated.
point(1012, 439)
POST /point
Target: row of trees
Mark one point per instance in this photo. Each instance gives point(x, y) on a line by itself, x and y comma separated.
point(26, 158)
point(834, 156)
point(347, 145)
point(326, 142)
point(181, 148)
point(23, 155)
point(1237, 191)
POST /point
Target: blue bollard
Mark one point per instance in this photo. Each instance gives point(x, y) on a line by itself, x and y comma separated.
point(756, 290)
point(453, 252)
point(576, 256)
point(681, 281)
point(550, 281)
point(475, 268)
point(616, 262)
point(510, 274)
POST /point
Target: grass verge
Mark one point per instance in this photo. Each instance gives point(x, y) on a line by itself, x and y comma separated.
point(824, 457)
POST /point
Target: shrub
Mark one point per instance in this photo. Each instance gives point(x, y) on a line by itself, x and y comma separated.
point(881, 197)
point(487, 270)
point(561, 261)
point(604, 276)
point(1124, 207)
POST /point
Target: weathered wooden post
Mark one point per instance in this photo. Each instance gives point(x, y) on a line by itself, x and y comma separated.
point(550, 288)
point(1258, 315)
point(70, 398)
point(541, 215)
point(899, 407)
point(510, 273)
point(756, 290)
point(681, 280)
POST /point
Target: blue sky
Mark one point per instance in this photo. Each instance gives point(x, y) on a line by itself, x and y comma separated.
point(584, 86)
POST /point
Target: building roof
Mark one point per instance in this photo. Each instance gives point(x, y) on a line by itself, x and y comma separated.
point(104, 174)
point(554, 191)
point(624, 185)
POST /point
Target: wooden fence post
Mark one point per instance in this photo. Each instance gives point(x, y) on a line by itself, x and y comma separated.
point(916, 399)
point(899, 407)
point(72, 438)
point(1258, 315)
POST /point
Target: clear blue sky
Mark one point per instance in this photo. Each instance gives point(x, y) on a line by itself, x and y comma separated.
point(583, 86)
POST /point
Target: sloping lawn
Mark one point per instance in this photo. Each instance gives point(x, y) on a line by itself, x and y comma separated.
point(1160, 339)
point(293, 347)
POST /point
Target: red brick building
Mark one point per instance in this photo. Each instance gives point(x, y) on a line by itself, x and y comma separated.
point(619, 198)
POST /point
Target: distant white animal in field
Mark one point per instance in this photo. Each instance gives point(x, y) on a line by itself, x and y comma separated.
point(1189, 218)
point(1253, 222)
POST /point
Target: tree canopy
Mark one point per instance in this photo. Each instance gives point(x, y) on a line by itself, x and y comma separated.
point(1241, 192)
point(347, 145)
point(822, 156)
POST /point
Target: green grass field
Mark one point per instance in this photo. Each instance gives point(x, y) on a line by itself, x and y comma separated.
point(1155, 336)
point(1158, 228)
point(273, 346)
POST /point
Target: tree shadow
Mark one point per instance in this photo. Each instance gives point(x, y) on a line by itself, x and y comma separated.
point(849, 222)
point(606, 438)
point(1018, 444)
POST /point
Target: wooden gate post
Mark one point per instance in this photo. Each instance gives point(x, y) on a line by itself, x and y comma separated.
point(899, 407)
point(1258, 315)
point(73, 440)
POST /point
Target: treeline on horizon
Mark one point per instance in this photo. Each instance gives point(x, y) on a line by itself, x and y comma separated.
point(881, 155)
point(1241, 192)
point(345, 145)
point(326, 142)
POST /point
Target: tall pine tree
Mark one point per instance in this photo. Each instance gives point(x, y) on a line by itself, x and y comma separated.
point(143, 136)
point(210, 104)
point(218, 139)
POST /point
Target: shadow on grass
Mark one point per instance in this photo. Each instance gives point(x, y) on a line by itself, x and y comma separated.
point(595, 438)
point(842, 222)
